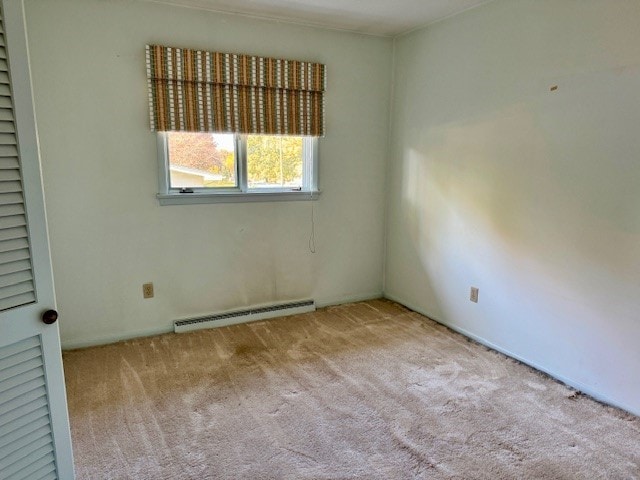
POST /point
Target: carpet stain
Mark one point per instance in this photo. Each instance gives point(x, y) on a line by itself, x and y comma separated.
point(368, 390)
point(248, 350)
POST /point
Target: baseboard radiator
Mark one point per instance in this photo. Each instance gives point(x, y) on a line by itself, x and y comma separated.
point(251, 314)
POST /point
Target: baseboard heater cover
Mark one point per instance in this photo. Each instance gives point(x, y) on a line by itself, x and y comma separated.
point(251, 314)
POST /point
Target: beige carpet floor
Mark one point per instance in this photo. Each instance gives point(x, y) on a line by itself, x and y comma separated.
point(362, 391)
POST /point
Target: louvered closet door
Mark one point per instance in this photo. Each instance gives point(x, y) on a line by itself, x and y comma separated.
point(34, 426)
point(26, 446)
point(16, 278)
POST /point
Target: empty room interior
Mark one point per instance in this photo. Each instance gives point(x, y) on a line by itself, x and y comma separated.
point(264, 239)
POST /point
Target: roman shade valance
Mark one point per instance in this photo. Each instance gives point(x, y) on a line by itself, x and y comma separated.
point(198, 91)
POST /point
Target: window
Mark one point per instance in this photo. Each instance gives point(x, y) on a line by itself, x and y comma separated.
point(272, 109)
point(201, 167)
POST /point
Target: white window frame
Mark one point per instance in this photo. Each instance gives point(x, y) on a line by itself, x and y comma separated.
point(168, 195)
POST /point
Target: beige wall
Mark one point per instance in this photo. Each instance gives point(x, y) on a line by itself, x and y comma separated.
point(531, 195)
point(108, 233)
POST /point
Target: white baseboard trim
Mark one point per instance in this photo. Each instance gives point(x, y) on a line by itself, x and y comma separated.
point(107, 339)
point(586, 389)
point(330, 302)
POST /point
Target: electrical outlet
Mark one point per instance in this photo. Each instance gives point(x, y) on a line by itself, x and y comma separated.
point(147, 290)
point(473, 296)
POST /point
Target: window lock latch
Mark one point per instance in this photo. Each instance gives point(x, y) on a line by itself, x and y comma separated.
point(186, 190)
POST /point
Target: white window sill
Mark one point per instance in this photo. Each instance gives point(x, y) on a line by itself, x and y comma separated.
point(234, 197)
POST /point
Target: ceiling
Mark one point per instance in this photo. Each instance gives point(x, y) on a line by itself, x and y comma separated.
point(375, 17)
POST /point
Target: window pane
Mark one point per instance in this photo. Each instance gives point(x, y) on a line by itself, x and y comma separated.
point(274, 161)
point(201, 160)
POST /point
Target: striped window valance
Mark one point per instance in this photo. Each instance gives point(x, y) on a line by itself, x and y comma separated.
point(197, 91)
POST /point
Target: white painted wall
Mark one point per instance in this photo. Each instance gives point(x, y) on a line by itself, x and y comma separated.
point(531, 195)
point(108, 233)
point(494, 181)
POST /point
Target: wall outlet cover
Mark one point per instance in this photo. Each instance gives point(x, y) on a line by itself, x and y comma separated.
point(473, 296)
point(147, 290)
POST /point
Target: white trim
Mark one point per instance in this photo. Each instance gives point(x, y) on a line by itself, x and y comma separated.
point(273, 18)
point(364, 297)
point(241, 162)
point(108, 339)
point(437, 20)
point(586, 389)
point(163, 167)
point(150, 332)
point(235, 197)
point(309, 166)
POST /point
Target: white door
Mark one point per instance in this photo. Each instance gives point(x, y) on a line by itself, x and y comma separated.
point(34, 427)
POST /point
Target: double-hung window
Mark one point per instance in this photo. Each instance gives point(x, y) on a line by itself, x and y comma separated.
point(235, 127)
